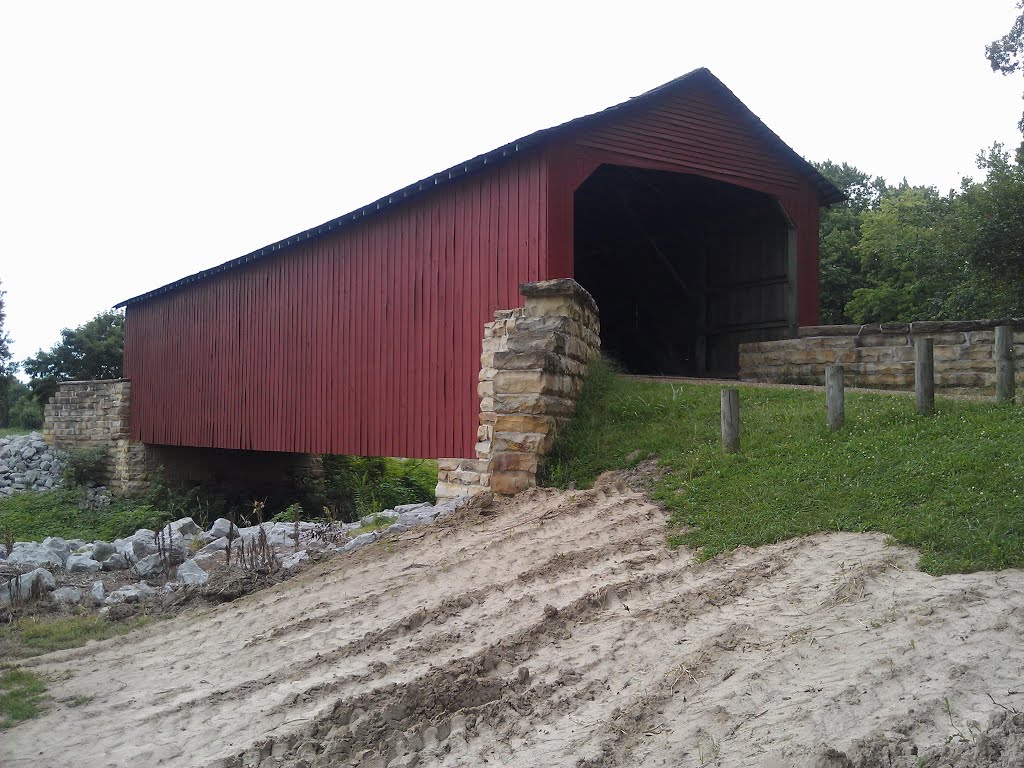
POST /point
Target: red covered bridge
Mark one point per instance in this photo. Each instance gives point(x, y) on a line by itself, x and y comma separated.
point(692, 224)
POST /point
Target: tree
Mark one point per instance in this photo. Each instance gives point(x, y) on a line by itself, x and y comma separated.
point(23, 410)
point(985, 230)
point(1006, 55)
point(7, 369)
point(905, 272)
point(94, 350)
point(839, 233)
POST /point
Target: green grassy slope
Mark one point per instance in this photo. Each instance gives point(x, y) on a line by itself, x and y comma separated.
point(951, 485)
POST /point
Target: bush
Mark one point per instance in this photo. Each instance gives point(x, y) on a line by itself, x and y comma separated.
point(34, 516)
point(356, 486)
point(84, 465)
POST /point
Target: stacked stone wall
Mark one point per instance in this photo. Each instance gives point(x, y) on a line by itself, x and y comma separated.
point(882, 356)
point(94, 414)
point(532, 366)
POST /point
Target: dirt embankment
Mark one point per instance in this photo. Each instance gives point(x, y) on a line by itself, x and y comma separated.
point(557, 629)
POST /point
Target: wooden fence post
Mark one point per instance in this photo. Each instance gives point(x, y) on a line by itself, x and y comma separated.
point(1005, 373)
point(730, 421)
point(924, 376)
point(835, 396)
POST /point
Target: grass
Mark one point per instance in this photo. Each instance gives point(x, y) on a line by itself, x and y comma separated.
point(21, 695)
point(34, 516)
point(11, 431)
point(379, 522)
point(951, 485)
point(32, 636)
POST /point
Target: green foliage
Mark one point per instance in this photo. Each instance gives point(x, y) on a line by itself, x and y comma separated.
point(21, 695)
point(356, 486)
point(94, 350)
point(23, 411)
point(82, 465)
point(379, 522)
point(839, 233)
point(909, 253)
point(902, 261)
point(986, 230)
point(1006, 55)
point(6, 369)
point(34, 516)
point(950, 485)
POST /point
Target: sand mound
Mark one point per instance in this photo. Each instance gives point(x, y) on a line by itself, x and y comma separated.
point(557, 629)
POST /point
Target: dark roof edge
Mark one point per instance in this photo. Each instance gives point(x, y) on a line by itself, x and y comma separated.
point(828, 193)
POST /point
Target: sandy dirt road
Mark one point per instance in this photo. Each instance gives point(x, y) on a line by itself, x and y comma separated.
point(556, 629)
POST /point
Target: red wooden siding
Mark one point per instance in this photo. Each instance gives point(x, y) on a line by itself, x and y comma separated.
point(697, 130)
point(363, 336)
point(365, 341)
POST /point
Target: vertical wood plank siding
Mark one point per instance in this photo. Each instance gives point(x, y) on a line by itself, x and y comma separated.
point(698, 131)
point(365, 341)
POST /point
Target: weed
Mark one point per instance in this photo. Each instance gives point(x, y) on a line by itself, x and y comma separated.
point(378, 522)
point(712, 753)
point(80, 701)
point(973, 728)
point(82, 465)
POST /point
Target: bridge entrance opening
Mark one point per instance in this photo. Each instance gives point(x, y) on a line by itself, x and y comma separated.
point(683, 269)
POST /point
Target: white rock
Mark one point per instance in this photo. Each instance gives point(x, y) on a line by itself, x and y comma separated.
point(214, 547)
point(150, 565)
point(405, 508)
point(361, 541)
point(184, 528)
point(20, 587)
point(98, 591)
point(35, 555)
point(221, 527)
point(58, 545)
point(191, 574)
point(101, 550)
point(130, 593)
point(292, 561)
point(82, 563)
point(116, 562)
point(69, 595)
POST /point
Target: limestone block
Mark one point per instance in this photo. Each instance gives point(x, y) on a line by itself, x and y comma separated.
point(521, 422)
point(504, 461)
point(448, 465)
point(482, 449)
point(466, 477)
point(530, 442)
point(942, 339)
point(885, 340)
point(534, 404)
point(531, 381)
point(509, 483)
point(472, 465)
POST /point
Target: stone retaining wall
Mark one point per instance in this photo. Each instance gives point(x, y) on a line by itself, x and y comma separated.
point(532, 365)
point(882, 355)
point(94, 414)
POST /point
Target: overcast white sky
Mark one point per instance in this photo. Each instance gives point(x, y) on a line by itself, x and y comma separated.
point(140, 142)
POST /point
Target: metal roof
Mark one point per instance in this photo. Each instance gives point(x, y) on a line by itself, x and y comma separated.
point(828, 193)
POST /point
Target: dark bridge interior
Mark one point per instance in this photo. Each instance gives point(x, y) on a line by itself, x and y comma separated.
point(683, 269)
